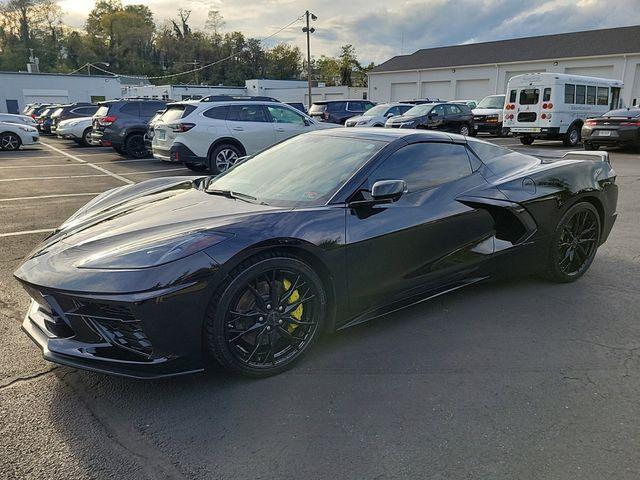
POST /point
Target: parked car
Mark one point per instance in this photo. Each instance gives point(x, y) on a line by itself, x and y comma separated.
point(44, 119)
point(34, 109)
point(318, 233)
point(615, 128)
point(298, 106)
point(378, 115)
point(76, 129)
point(447, 117)
point(216, 131)
point(122, 124)
point(469, 103)
point(14, 118)
point(148, 136)
point(72, 110)
point(15, 135)
point(422, 101)
point(338, 111)
point(488, 115)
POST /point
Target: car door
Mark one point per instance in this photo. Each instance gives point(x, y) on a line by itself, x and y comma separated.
point(286, 122)
point(453, 118)
point(425, 239)
point(250, 124)
point(436, 118)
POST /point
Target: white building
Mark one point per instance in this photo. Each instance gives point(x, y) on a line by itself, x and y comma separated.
point(20, 88)
point(476, 70)
point(179, 92)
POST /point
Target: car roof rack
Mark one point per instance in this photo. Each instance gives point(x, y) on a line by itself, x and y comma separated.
point(237, 98)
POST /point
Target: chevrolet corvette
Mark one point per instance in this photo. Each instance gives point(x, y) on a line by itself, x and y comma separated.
point(318, 233)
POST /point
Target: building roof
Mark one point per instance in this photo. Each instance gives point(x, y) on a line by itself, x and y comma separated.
point(589, 43)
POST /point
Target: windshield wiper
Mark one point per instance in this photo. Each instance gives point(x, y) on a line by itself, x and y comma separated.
point(233, 195)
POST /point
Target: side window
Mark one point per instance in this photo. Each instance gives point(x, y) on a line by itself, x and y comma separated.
point(424, 165)
point(336, 106)
point(546, 94)
point(580, 94)
point(603, 96)
point(247, 113)
point(569, 93)
point(452, 110)
point(512, 96)
point(218, 113)
point(354, 107)
point(131, 109)
point(149, 109)
point(437, 110)
point(284, 115)
point(404, 108)
point(591, 95)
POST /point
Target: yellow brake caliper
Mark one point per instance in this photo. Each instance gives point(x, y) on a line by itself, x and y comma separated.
point(295, 296)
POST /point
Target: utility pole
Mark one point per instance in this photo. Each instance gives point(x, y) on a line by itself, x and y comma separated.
point(309, 31)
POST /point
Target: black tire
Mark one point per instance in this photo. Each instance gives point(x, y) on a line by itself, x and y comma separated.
point(196, 167)
point(86, 137)
point(120, 151)
point(526, 140)
point(222, 157)
point(574, 243)
point(572, 137)
point(240, 316)
point(590, 146)
point(465, 129)
point(10, 141)
point(134, 146)
point(472, 132)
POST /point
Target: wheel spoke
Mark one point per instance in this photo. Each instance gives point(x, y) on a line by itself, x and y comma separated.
point(252, 328)
point(258, 298)
point(289, 337)
point(258, 345)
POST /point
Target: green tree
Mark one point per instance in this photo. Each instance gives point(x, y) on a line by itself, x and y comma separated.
point(284, 62)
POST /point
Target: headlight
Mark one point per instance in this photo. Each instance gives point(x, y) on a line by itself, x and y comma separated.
point(153, 252)
point(27, 129)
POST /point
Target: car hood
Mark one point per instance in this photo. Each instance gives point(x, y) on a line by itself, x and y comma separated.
point(486, 111)
point(160, 208)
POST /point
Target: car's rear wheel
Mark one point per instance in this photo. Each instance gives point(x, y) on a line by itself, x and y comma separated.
point(574, 244)
point(10, 141)
point(526, 140)
point(223, 157)
point(464, 130)
point(266, 316)
point(86, 137)
point(572, 137)
point(196, 167)
point(134, 146)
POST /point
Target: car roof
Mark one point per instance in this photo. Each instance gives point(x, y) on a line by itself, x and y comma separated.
point(324, 102)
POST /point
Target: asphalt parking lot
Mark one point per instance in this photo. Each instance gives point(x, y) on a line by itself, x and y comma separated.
point(521, 379)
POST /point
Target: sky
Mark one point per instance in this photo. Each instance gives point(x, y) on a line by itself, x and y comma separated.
point(380, 29)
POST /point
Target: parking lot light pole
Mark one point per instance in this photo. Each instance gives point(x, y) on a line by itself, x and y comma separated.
point(309, 31)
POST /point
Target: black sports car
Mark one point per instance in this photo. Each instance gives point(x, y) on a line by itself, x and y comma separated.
point(320, 232)
point(616, 128)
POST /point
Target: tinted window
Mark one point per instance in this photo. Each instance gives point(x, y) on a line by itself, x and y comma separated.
point(569, 93)
point(529, 96)
point(149, 109)
point(452, 110)
point(546, 95)
point(219, 113)
point(336, 106)
point(176, 112)
point(404, 108)
point(603, 96)
point(247, 113)
point(580, 94)
point(284, 115)
point(424, 165)
point(512, 96)
point(591, 95)
point(499, 160)
point(131, 109)
point(437, 110)
point(88, 111)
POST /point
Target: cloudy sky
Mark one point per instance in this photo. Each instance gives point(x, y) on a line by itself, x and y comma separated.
point(380, 29)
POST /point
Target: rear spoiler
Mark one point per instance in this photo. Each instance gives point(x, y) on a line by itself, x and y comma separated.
point(587, 155)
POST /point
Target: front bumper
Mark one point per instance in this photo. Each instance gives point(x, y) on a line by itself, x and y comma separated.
point(487, 127)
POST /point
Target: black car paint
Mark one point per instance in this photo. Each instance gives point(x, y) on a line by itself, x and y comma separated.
point(430, 121)
point(339, 111)
point(372, 258)
point(74, 110)
point(620, 126)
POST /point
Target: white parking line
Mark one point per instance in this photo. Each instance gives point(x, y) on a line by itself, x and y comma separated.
point(55, 165)
point(157, 171)
point(57, 195)
point(97, 167)
point(68, 177)
point(26, 232)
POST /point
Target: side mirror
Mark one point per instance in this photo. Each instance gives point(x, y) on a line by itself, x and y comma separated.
point(388, 190)
point(389, 115)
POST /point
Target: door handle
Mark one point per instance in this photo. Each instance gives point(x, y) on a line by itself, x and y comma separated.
point(238, 129)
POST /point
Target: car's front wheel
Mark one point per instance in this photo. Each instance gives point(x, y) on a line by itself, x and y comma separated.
point(266, 316)
point(464, 130)
point(574, 243)
point(10, 141)
point(223, 157)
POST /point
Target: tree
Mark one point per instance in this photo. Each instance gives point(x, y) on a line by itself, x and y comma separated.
point(215, 22)
point(284, 62)
point(348, 63)
point(328, 70)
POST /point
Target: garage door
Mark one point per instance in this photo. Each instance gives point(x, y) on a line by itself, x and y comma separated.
point(508, 75)
point(472, 89)
point(45, 96)
point(403, 91)
point(439, 89)
point(602, 71)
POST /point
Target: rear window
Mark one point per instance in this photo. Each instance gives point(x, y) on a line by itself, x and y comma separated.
point(512, 96)
point(529, 96)
point(318, 108)
point(102, 111)
point(57, 113)
point(546, 95)
point(176, 112)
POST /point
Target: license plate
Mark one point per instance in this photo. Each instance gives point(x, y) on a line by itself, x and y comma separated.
point(162, 135)
point(476, 127)
point(604, 133)
point(526, 129)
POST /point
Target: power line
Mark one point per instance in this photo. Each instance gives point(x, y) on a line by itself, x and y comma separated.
point(141, 77)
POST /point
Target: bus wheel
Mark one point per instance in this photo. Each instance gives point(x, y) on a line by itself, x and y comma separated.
point(526, 140)
point(572, 137)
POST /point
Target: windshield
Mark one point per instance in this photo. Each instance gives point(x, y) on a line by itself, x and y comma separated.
point(376, 111)
point(492, 102)
point(419, 110)
point(305, 170)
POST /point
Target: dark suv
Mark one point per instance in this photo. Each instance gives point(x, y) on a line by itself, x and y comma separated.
point(447, 117)
point(72, 110)
point(122, 124)
point(338, 111)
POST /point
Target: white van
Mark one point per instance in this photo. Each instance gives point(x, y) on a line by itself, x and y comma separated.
point(553, 106)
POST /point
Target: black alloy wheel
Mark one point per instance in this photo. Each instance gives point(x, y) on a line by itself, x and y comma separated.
point(267, 317)
point(575, 243)
point(10, 141)
point(134, 146)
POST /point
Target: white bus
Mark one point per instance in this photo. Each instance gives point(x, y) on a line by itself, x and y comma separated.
point(553, 106)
